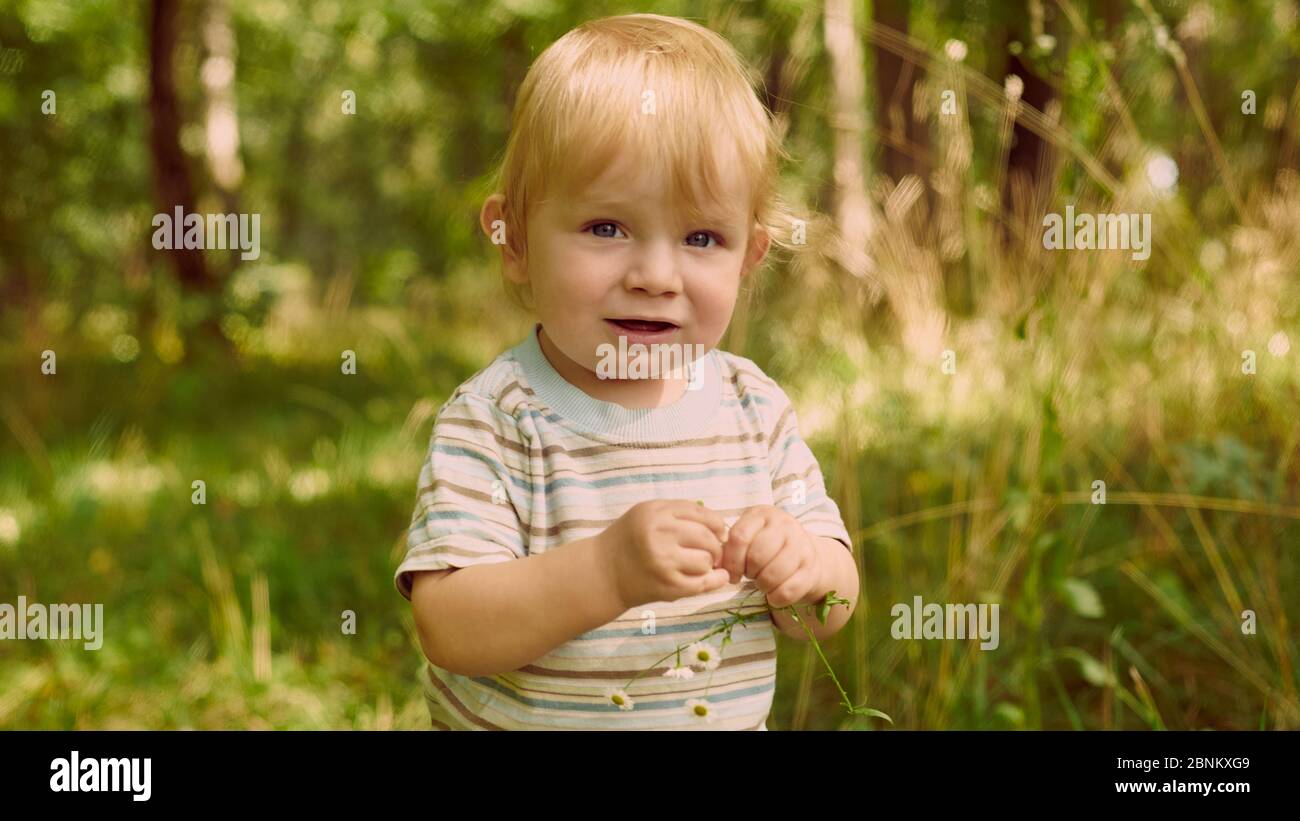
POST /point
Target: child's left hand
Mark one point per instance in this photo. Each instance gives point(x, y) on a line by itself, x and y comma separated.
point(771, 547)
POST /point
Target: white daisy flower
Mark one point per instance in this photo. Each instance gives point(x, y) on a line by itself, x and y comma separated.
point(682, 672)
point(622, 699)
point(701, 709)
point(703, 655)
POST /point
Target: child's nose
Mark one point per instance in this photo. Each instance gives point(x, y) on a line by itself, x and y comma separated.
point(654, 270)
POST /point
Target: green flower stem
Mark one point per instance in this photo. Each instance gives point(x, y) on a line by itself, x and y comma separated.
point(848, 705)
point(728, 624)
point(823, 610)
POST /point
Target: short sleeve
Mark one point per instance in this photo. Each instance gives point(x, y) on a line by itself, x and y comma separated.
point(472, 487)
point(797, 485)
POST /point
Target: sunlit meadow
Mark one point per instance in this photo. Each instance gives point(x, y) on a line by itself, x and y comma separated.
point(968, 483)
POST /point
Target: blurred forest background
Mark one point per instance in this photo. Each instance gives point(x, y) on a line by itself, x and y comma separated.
point(933, 137)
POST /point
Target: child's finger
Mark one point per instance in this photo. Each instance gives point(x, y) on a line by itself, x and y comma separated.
point(711, 581)
point(699, 536)
point(695, 562)
point(763, 551)
point(744, 528)
point(735, 549)
point(709, 518)
point(792, 589)
point(783, 565)
point(733, 559)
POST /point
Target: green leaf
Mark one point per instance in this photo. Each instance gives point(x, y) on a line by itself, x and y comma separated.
point(829, 601)
point(1043, 543)
point(863, 710)
point(1010, 713)
point(1019, 506)
point(1093, 671)
point(1081, 597)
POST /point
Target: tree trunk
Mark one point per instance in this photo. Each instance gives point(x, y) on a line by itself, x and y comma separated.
point(15, 290)
point(171, 177)
point(773, 89)
point(221, 126)
point(1029, 164)
point(1028, 152)
point(906, 142)
point(853, 214)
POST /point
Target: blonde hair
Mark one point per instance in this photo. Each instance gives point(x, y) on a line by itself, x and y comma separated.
point(672, 92)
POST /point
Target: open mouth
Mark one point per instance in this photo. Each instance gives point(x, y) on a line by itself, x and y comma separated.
point(642, 325)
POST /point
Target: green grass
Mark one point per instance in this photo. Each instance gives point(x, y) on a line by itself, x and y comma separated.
point(973, 486)
point(310, 480)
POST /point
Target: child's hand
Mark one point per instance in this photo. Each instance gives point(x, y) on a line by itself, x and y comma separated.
point(770, 546)
point(664, 550)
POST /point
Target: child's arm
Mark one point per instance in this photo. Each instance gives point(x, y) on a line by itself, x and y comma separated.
point(487, 619)
point(799, 490)
point(491, 618)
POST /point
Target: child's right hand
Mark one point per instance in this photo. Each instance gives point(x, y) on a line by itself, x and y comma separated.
point(664, 550)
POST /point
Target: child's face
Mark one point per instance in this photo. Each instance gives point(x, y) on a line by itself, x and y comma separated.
point(620, 250)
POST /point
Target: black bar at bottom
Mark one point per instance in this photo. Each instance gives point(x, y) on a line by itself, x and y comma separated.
point(494, 771)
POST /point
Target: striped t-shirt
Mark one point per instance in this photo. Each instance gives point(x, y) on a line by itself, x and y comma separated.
point(521, 461)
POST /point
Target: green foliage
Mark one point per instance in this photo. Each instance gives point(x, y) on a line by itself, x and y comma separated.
point(967, 487)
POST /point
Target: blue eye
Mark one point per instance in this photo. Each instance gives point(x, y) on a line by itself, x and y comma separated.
point(595, 230)
point(708, 235)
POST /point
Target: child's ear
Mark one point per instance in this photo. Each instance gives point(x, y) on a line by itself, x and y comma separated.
point(492, 220)
point(759, 244)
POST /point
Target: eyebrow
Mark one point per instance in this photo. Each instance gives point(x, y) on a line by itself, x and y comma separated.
point(601, 202)
point(614, 202)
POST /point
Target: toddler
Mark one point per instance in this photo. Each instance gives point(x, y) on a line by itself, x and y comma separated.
point(582, 531)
